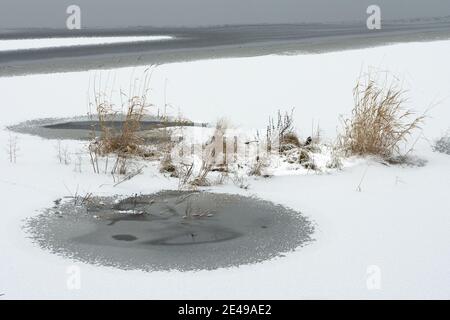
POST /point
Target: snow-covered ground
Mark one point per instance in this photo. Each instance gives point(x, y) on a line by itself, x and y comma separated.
point(40, 43)
point(390, 239)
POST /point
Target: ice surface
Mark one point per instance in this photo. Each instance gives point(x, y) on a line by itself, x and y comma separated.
point(398, 221)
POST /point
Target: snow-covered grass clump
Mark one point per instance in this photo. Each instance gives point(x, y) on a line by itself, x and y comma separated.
point(442, 144)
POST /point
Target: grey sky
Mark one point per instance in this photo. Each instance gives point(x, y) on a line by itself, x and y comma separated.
point(121, 13)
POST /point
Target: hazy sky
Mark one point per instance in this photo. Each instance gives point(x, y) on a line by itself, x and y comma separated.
point(120, 13)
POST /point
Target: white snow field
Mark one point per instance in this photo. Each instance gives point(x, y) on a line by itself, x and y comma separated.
point(391, 239)
point(40, 43)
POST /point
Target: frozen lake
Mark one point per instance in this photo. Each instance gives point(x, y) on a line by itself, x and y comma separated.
point(206, 43)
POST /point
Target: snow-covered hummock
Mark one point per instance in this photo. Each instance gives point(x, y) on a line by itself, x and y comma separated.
point(382, 231)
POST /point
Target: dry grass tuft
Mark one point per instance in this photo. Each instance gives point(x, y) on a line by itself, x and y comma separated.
point(281, 132)
point(379, 122)
point(12, 148)
point(125, 141)
point(335, 161)
point(213, 158)
point(214, 155)
point(290, 139)
point(168, 166)
point(259, 167)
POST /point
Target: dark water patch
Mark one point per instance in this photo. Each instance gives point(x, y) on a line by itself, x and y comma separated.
point(124, 237)
point(171, 230)
point(83, 127)
point(115, 125)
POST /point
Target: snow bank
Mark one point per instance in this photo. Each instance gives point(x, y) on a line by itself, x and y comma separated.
point(40, 43)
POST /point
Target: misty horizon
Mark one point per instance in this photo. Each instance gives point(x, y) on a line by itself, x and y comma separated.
point(17, 14)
